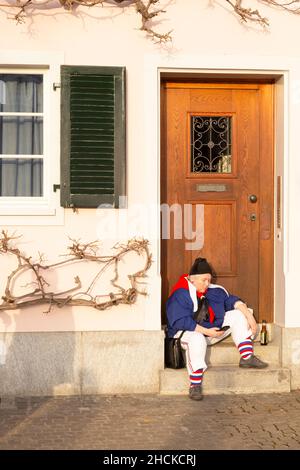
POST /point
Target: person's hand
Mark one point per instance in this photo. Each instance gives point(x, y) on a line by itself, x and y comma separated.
point(252, 323)
point(214, 332)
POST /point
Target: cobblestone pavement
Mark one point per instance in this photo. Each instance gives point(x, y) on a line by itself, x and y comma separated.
point(265, 421)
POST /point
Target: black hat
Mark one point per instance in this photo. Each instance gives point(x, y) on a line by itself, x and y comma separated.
point(200, 266)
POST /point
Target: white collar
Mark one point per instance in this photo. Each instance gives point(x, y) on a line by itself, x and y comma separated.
point(212, 286)
point(193, 294)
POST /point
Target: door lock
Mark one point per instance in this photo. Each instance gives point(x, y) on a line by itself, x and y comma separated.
point(252, 217)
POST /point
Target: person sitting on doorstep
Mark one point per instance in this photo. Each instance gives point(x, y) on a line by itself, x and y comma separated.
point(223, 309)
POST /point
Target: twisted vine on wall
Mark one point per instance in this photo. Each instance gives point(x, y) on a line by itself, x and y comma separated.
point(40, 292)
point(148, 10)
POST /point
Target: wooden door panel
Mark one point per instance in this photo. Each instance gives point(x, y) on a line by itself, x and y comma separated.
point(173, 249)
point(219, 245)
point(234, 227)
point(219, 242)
point(211, 100)
point(248, 160)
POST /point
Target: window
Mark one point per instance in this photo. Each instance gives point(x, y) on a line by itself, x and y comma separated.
point(211, 144)
point(92, 136)
point(87, 158)
point(21, 135)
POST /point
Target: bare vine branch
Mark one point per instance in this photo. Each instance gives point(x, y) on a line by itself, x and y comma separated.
point(292, 6)
point(247, 14)
point(147, 10)
point(77, 252)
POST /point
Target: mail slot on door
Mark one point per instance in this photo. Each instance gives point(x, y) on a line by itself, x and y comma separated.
point(216, 188)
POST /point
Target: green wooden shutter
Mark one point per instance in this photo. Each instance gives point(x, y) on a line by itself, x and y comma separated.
point(92, 136)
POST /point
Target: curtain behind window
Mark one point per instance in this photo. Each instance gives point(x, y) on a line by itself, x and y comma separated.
point(21, 135)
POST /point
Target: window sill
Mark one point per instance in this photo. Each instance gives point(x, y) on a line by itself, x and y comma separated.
point(27, 210)
point(31, 215)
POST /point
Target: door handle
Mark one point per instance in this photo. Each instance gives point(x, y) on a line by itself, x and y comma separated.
point(253, 198)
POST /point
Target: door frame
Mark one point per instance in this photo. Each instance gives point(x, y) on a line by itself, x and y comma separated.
point(265, 99)
point(279, 78)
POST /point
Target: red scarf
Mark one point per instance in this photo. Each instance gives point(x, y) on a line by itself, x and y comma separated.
point(183, 284)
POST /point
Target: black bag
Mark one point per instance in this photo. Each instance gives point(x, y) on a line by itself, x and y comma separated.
point(202, 312)
point(174, 354)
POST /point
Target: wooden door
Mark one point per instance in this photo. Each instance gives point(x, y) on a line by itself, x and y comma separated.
point(217, 161)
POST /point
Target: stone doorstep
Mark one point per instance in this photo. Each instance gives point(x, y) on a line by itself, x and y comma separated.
point(228, 380)
point(226, 352)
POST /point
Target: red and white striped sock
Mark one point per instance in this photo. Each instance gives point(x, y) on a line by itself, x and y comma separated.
point(196, 378)
point(246, 348)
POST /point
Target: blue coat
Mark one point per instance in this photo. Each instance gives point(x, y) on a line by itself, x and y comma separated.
point(180, 309)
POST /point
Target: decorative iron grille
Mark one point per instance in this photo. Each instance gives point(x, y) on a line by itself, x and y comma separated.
point(211, 144)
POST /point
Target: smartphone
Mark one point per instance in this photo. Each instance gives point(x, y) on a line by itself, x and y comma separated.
point(224, 328)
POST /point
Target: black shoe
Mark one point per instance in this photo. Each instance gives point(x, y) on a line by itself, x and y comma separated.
point(195, 393)
point(253, 362)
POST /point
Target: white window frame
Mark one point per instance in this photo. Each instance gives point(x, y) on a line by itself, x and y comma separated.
point(43, 210)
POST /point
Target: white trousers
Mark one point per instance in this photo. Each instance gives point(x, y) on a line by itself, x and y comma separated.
point(195, 343)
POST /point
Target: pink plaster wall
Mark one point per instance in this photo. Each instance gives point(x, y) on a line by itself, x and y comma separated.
point(110, 36)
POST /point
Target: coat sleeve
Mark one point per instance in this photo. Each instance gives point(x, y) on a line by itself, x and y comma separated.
point(180, 311)
point(230, 301)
